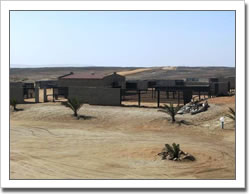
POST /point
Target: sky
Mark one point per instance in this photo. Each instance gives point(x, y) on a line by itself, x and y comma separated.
point(122, 38)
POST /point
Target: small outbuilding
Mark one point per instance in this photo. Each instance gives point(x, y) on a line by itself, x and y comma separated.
point(92, 88)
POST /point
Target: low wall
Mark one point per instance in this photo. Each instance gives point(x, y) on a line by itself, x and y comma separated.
point(96, 96)
point(16, 92)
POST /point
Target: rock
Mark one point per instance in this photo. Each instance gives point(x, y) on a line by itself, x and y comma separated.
point(160, 154)
point(169, 157)
point(189, 157)
point(166, 155)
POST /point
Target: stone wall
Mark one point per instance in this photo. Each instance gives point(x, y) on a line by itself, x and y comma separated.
point(16, 91)
point(96, 96)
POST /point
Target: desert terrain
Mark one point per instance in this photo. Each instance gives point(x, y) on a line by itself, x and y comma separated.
point(108, 142)
point(131, 73)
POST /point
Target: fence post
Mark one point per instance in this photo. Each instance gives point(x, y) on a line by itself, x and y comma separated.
point(158, 98)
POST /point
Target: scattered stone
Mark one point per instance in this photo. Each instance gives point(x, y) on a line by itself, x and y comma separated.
point(168, 157)
point(181, 156)
point(194, 107)
point(189, 157)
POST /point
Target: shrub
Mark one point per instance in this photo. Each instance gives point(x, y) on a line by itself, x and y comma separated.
point(74, 104)
point(231, 114)
point(173, 150)
point(13, 103)
point(170, 110)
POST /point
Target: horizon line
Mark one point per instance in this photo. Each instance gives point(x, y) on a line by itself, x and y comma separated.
point(16, 66)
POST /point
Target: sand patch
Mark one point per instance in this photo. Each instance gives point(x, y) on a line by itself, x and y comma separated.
point(125, 73)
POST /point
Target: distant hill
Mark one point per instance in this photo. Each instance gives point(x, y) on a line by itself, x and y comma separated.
point(32, 74)
point(183, 72)
point(131, 73)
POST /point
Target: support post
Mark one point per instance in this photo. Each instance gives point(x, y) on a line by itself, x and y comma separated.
point(53, 95)
point(209, 93)
point(45, 94)
point(120, 96)
point(158, 98)
point(36, 94)
point(178, 98)
point(139, 98)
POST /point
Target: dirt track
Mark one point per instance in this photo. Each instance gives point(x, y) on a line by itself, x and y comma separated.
point(118, 143)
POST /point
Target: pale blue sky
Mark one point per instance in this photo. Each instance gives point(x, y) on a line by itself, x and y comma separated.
point(122, 38)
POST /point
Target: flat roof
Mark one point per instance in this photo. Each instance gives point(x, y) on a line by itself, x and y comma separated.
point(85, 76)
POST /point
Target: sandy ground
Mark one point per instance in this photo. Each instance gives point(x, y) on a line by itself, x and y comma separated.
point(130, 72)
point(47, 142)
point(169, 68)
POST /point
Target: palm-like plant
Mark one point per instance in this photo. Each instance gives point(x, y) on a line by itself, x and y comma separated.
point(231, 114)
point(170, 110)
point(13, 103)
point(74, 104)
point(174, 150)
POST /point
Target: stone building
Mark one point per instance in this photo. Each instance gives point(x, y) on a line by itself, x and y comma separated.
point(93, 88)
point(92, 80)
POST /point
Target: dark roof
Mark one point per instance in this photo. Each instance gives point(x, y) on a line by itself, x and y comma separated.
point(85, 76)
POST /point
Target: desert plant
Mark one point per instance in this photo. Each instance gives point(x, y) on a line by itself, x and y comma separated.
point(170, 110)
point(231, 114)
point(74, 104)
point(13, 103)
point(173, 150)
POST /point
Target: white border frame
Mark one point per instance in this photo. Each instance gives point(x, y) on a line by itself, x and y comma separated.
point(125, 5)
